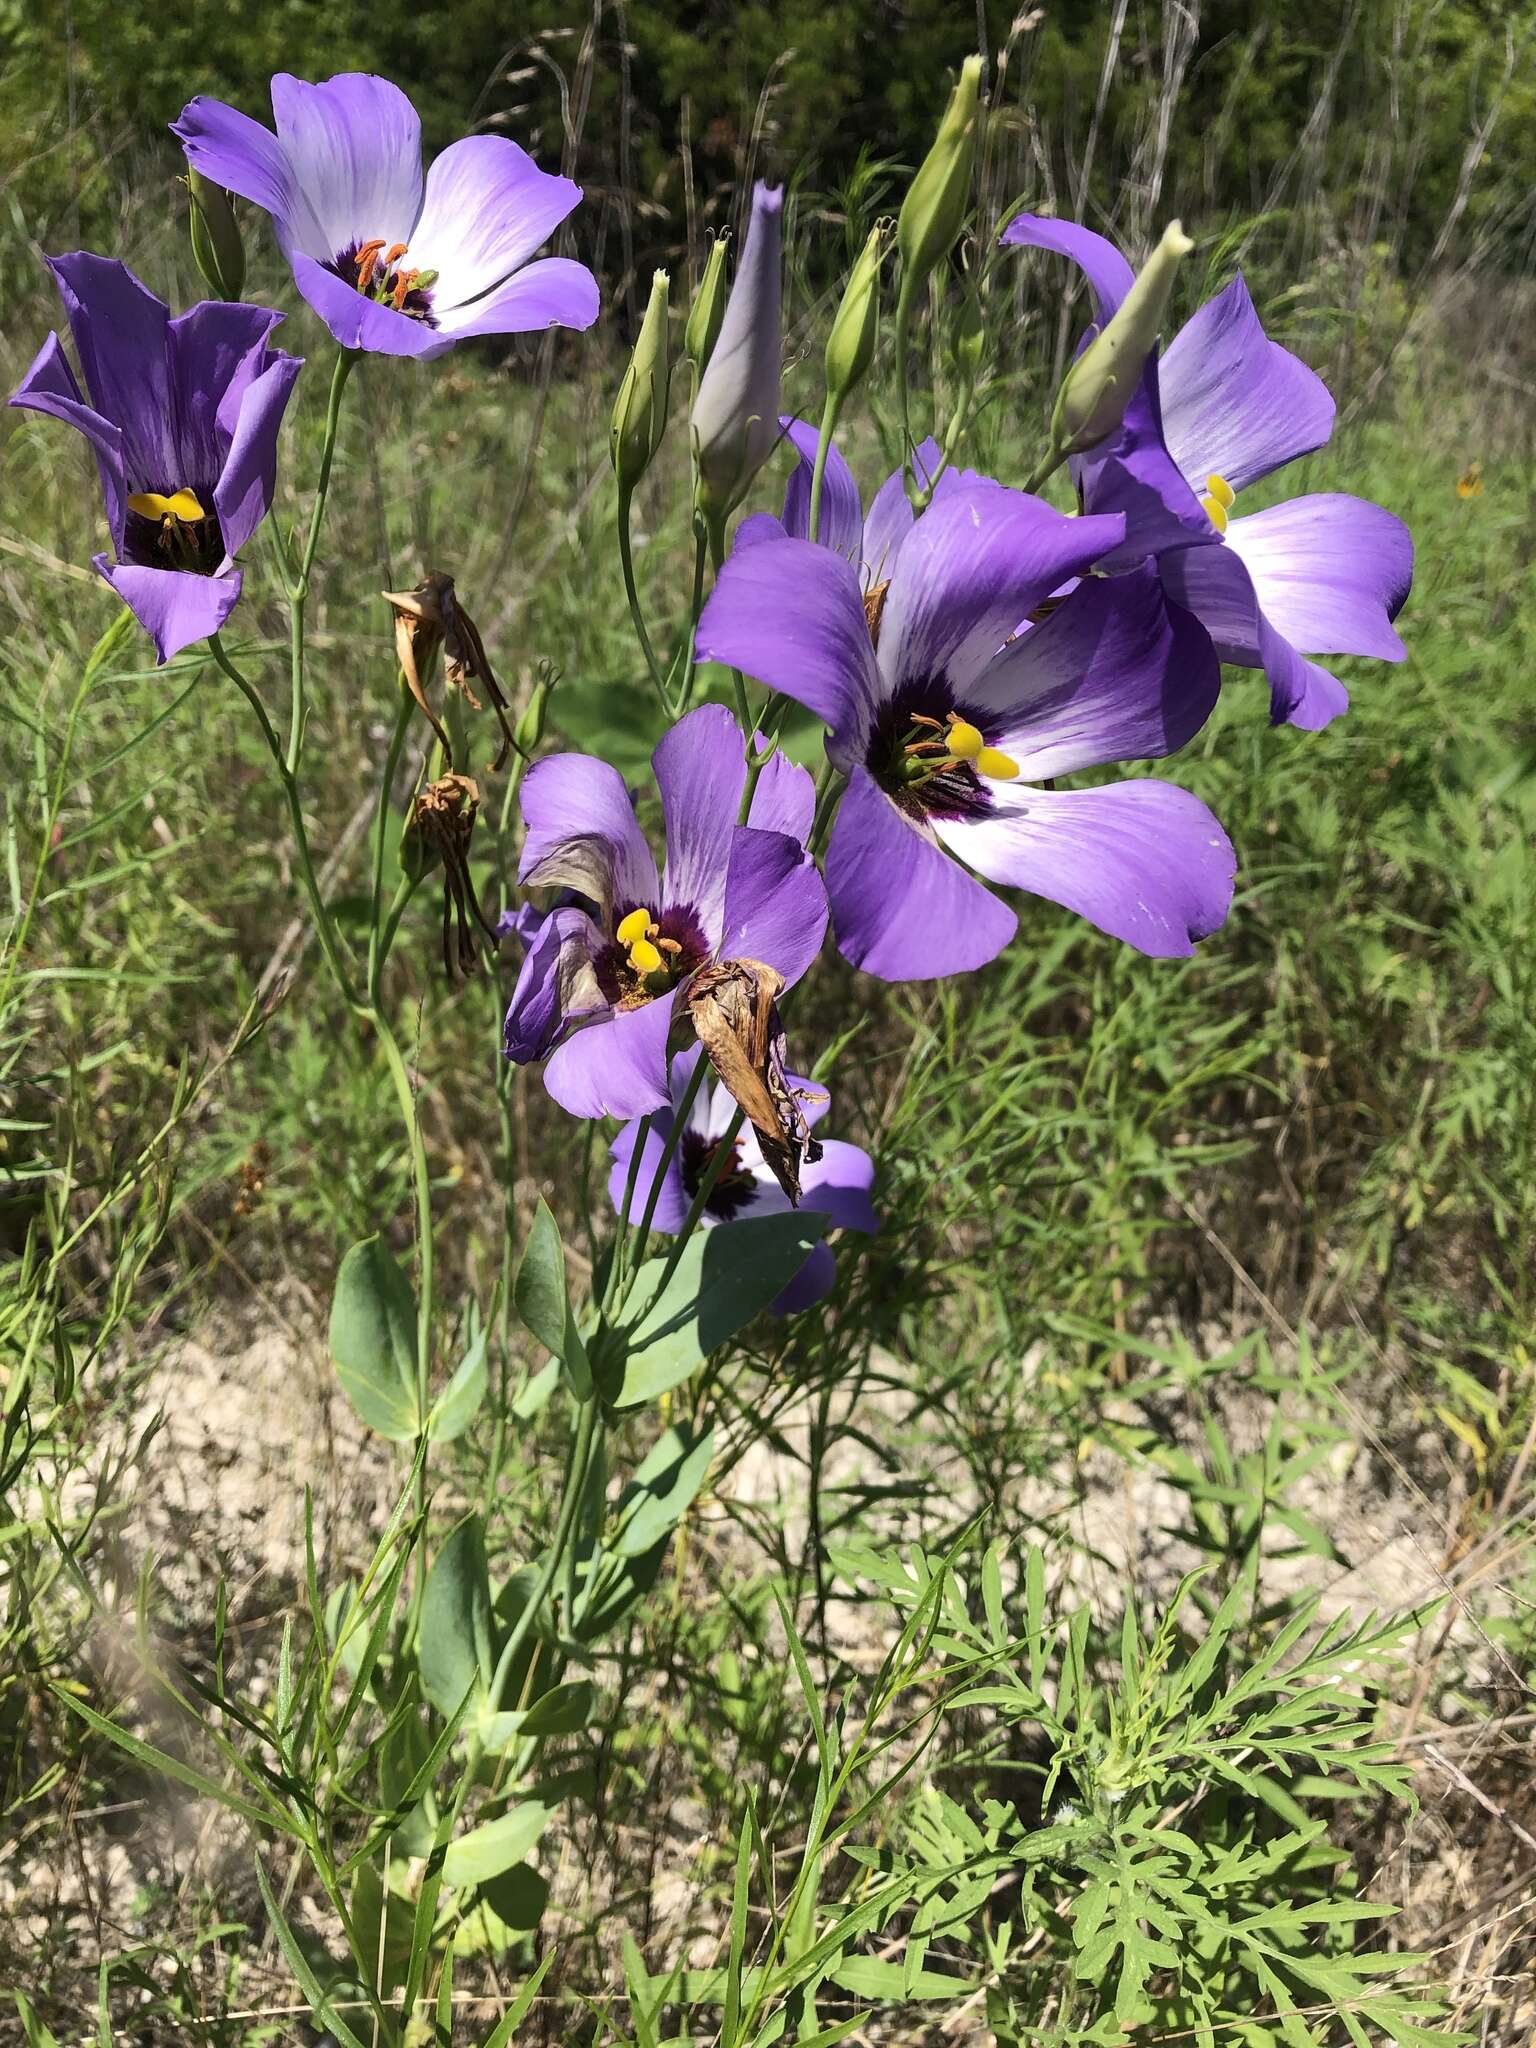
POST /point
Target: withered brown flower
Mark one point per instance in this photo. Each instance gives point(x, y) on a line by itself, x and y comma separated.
point(431, 617)
point(733, 1006)
point(443, 820)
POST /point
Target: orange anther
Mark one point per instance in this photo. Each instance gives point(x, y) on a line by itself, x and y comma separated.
point(393, 254)
point(367, 262)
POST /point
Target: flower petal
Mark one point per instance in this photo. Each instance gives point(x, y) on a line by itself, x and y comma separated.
point(554, 984)
point(486, 209)
point(49, 387)
point(814, 1282)
point(775, 903)
point(1133, 473)
point(236, 152)
point(1109, 275)
point(672, 1199)
point(784, 799)
point(1235, 403)
point(977, 562)
point(358, 322)
point(792, 616)
point(616, 1067)
point(1331, 572)
point(838, 1185)
point(701, 772)
point(1215, 585)
point(841, 527)
point(173, 607)
point(1115, 673)
point(1143, 860)
point(216, 351)
point(243, 494)
point(121, 336)
point(353, 148)
point(582, 834)
point(901, 908)
point(891, 517)
point(554, 292)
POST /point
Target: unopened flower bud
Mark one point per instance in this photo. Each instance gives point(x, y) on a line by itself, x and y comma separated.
point(938, 196)
point(1096, 390)
point(640, 413)
point(707, 310)
point(851, 344)
point(530, 727)
point(736, 414)
point(217, 249)
point(969, 336)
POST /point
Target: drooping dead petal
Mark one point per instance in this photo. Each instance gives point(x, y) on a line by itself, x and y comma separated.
point(432, 616)
point(443, 819)
point(733, 1006)
point(418, 634)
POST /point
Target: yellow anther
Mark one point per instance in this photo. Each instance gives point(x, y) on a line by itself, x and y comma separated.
point(182, 505)
point(995, 766)
point(1220, 490)
point(964, 741)
point(1216, 512)
point(643, 956)
point(637, 925)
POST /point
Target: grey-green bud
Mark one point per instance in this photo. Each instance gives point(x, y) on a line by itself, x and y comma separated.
point(851, 344)
point(736, 413)
point(708, 309)
point(1096, 390)
point(217, 249)
point(530, 727)
point(937, 198)
point(640, 411)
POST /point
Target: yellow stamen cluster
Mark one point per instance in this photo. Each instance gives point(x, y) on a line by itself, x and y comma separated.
point(182, 506)
point(640, 935)
point(966, 743)
point(1217, 502)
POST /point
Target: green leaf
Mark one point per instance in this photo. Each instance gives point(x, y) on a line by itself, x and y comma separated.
point(457, 1405)
point(298, 1962)
point(501, 2034)
point(485, 1852)
point(517, 1897)
point(454, 1650)
point(723, 1279)
point(889, 1983)
point(561, 1711)
point(373, 1340)
point(543, 1302)
point(665, 1484)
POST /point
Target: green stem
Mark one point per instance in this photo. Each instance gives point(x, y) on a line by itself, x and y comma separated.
point(903, 392)
point(669, 1151)
point(819, 471)
point(685, 653)
point(298, 593)
point(386, 785)
point(570, 1501)
point(637, 617)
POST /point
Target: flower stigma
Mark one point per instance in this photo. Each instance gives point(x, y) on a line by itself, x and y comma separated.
point(180, 529)
point(652, 955)
point(1218, 500)
point(378, 270)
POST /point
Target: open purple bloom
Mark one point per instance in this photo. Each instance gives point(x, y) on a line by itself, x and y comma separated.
point(183, 417)
point(603, 978)
point(1220, 408)
point(947, 715)
point(836, 1185)
point(870, 543)
point(392, 263)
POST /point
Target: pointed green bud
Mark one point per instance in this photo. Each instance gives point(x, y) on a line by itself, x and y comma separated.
point(640, 412)
point(708, 309)
point(851, 344)
point(735, 421)
point(1096, 390)
point(530, 727)
point(217, 249)
point(938, 196)
point(969, 335)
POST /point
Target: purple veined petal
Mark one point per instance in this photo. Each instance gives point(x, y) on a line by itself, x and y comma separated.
point(775, 904)
point(554, 292)
point(362, 323)
point(1132, 473)
point(582, 834)
point(756, 528)
point(814, 1282)
point(242, 496)
point(902, 909)
point(1331, 572)
point(842, 515)
point(1115, 673)
point(703, 1106)
point(701, 772)
point(120, 335)
point(1144, 861)
point(238, 153)
point(1215, 585)
point(891, 517)
point(524, 923)
point(1236, 404)
point(784, 799)
point(617, 1067)
point(49, 387)
point(216, 350)
point(554, 984)
point(792, 616)
point(838, 1185)
point(486, 209)
point(977, 562)
point(353, 148)
point(672, 1198)
point(1109, 276)
point(173, 607)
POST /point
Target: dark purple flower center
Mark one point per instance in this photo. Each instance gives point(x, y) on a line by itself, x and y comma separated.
point(735, 1190)
point(162, 541)
point(909, 757)
point(379, 270)
point(640, 966)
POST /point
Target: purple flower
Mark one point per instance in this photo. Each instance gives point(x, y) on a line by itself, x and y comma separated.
point(183, 418)
point(944, 710)
point(392, 264)
point(1222, 407)
point(837, 1185)
point(603, 979)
